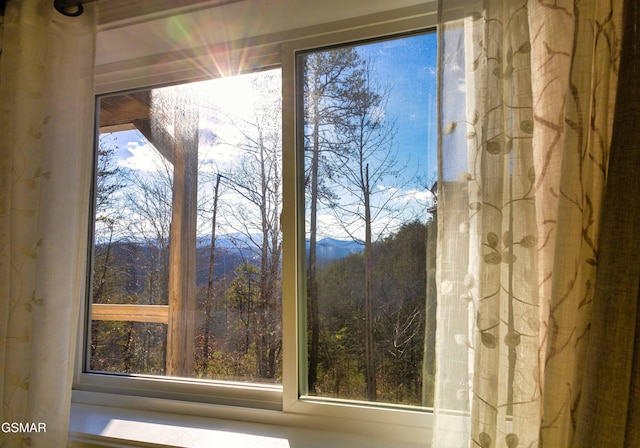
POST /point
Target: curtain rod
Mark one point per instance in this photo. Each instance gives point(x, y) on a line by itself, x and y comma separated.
point(71, 8)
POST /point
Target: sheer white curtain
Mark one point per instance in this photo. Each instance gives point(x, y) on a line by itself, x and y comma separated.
point(46, 127)
point(527, 91)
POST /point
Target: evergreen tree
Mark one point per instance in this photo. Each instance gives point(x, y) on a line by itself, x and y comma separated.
point(329, 77)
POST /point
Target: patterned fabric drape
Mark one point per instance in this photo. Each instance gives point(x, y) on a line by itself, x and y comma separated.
point(46, 126)
point(609, 410)
point(527, 90)
point(573, 138)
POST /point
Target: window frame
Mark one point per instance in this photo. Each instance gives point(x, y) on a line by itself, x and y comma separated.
point(257, 402)
point(360, 413)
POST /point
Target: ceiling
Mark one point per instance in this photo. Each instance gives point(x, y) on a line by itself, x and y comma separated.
point(110, 11)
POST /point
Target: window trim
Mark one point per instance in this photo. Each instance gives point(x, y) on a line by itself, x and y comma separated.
point(262, 403)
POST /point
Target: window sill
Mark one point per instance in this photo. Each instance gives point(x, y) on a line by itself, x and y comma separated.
point(106, 426)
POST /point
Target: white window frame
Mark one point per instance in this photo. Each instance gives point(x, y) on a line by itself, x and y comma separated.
point(282, 405)
point(412, 420)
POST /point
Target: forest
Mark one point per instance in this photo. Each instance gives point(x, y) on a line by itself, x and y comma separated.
point(369, 236)
point(400, 318)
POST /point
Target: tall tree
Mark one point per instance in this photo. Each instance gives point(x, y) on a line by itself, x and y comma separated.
point(149, 208)
point(109, 181)
point(209, 304)
point(328, 80)
point(243, 297)
point(257, 180)
point(366, 179)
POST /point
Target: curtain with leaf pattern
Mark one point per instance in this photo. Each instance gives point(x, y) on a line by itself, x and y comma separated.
point(46, 127)
point(527, 91)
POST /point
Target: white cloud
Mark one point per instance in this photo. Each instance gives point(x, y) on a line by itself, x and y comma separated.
point(391, 190)
point(143, 157)
point(417, 195)
point(330, 226)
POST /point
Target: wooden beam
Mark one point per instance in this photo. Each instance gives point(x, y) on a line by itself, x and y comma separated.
point(182, 249)
point(130, 313)
point(117, 128)
point(133, 111)
point(158, 137)
point(125, 109)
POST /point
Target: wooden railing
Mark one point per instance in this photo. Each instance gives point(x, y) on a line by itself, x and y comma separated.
point(133, 313)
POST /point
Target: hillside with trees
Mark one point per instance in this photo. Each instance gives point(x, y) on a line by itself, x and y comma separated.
point(398, 314)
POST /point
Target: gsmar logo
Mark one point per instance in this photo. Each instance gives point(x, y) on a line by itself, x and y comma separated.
point(16, 427)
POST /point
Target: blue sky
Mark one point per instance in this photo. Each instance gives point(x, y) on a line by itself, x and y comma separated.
point(407, 65)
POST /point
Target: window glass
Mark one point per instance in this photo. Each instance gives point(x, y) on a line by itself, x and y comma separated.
point(187, 244)
point(370, 172)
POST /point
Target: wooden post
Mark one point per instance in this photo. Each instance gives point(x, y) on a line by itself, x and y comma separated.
point(181, 149)
point(182, 256)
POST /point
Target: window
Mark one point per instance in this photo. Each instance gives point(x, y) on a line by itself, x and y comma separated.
point(187, 245)
point(235, 235)
point(369, 170)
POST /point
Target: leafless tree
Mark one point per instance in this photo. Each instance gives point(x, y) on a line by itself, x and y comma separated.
point(329, 77)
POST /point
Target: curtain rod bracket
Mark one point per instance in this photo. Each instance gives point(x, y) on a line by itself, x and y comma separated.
point(70, 8)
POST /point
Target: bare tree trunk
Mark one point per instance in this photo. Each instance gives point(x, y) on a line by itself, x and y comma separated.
point(312, 286)
point(369, 353)
point(210, 305)
point(97, 293)
point(428, 355)
point(264, 341)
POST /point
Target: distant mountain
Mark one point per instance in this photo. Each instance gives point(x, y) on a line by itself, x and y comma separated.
point(237, 243)
point(140, 258)
point(329, 249)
